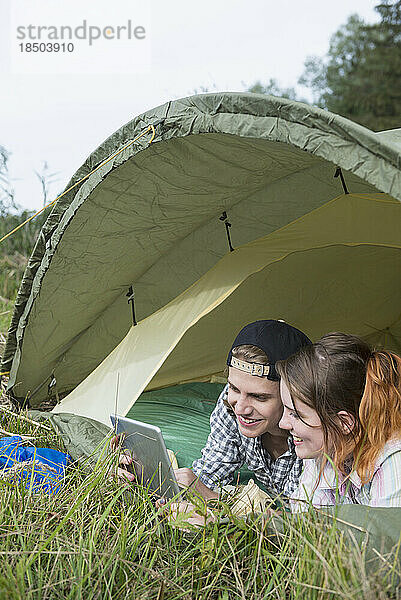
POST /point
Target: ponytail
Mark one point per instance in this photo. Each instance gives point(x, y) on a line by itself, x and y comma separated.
point(340, 373)
point(379, 410)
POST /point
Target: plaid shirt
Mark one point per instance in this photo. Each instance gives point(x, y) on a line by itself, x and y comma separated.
point(384, 489)
point(227, 449)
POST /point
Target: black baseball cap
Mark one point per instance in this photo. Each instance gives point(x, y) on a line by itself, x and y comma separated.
point(276, 338)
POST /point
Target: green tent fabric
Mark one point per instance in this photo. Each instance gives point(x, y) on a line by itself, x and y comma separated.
point(377, 529)
point(182, 413)
point(382, 525)
point(149, 218)
point(332, 269)
point(373, 533)
point(83, 438)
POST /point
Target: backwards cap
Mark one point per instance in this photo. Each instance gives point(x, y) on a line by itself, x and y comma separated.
point(277, 339)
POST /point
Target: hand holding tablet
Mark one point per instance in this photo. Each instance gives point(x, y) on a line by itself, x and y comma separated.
point(144, 448)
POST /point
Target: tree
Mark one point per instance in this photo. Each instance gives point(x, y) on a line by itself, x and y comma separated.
point(272, 88)
point(6, 189)
point(361, 76)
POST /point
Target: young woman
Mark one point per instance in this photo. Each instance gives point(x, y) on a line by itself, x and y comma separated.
point(342, 406)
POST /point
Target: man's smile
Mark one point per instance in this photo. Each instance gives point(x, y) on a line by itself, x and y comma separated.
point(247, 421)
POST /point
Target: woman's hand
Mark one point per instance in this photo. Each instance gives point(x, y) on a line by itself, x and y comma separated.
point(128, 467)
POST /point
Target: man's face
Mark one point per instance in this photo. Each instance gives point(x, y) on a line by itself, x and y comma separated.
point(256, 403)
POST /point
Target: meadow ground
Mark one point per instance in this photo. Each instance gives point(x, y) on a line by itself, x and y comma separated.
point(99, 539)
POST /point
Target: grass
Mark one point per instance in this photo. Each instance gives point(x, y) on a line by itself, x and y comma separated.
point(97, 539)
point(11, 271)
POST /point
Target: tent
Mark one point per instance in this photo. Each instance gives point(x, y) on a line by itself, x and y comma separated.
point(309, 201)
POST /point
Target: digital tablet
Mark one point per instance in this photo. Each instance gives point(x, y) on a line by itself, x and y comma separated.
point(151, 461)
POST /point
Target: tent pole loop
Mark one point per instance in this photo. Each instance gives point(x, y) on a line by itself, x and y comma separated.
point(224, 218)
point(52, 388)
point(131, 299)
point(340, 174)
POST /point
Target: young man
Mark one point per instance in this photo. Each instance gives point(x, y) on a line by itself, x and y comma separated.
point(244, 424)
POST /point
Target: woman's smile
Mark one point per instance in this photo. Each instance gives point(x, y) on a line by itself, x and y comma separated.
point(296, 439)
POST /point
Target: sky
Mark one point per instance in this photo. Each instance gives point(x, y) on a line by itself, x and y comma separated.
point(59, 106)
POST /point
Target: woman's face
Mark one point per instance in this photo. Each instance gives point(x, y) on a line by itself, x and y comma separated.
point(306, 431)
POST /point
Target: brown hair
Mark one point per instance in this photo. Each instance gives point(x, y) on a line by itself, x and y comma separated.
point(251, 354)
point(340, 372)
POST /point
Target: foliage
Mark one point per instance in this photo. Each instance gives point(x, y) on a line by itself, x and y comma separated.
point(23, 240)
point(361, 76)
point(15, 250)
point(14, 253)
point(272, 88)
point(6, 189)
point(11, 271)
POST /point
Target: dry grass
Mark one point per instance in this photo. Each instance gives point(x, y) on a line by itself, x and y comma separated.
point(97, 539)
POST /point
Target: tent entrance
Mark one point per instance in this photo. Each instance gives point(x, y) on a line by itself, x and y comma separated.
point(333, 269)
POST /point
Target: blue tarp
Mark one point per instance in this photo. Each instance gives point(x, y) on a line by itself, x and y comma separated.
point(41, 469)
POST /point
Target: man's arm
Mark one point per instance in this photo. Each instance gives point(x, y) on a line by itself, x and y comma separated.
point(222, 455)
point(187, 478)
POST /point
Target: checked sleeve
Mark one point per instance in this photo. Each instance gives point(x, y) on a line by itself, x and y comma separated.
point(222, 455)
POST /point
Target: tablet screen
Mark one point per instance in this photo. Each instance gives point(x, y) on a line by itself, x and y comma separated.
point(151, 461)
